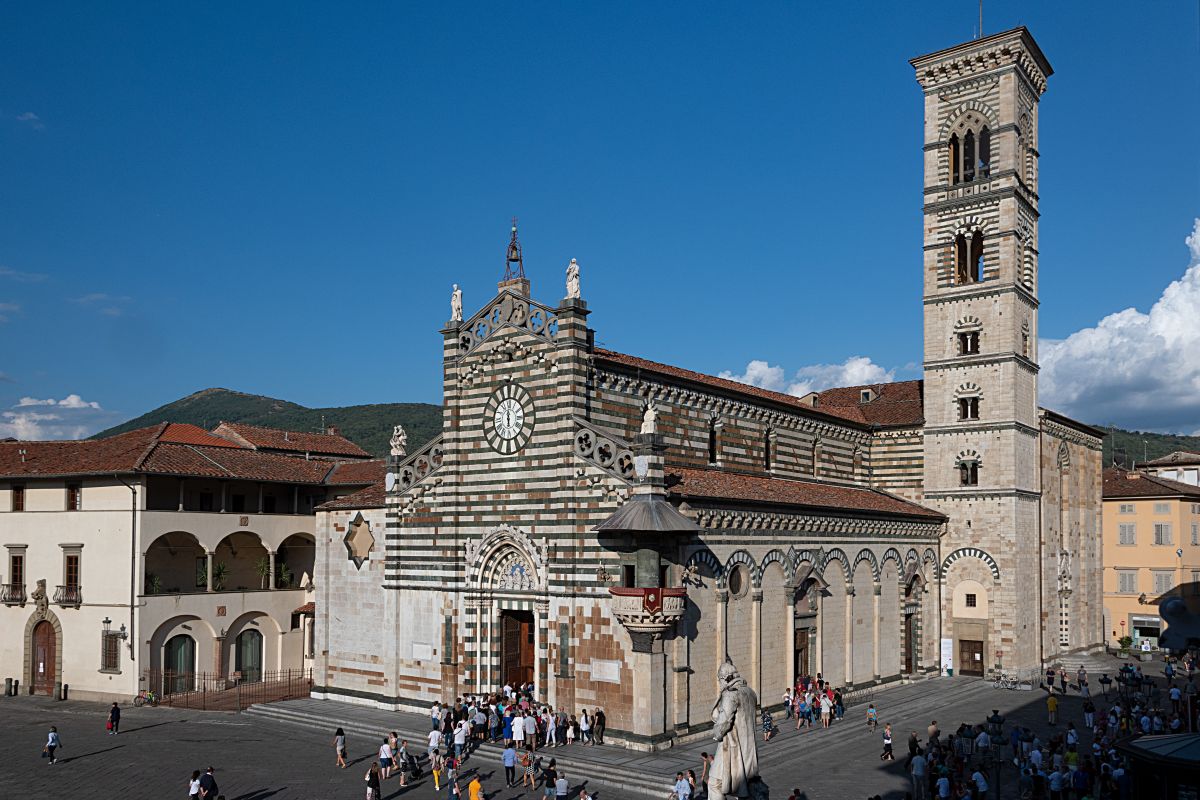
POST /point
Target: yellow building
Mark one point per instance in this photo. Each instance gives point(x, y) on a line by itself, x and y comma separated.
point(1151, 534)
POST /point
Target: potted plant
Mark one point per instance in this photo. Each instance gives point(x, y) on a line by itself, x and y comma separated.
point(220, 571)
point(263, 568)
point(285, 577)
point(153, 584)
point(1125, 642)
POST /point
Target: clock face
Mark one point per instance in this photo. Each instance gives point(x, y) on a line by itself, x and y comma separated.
point(508, 419)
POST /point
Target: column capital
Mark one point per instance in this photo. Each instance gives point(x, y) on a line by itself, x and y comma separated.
point(756, 595)
point(722, 596)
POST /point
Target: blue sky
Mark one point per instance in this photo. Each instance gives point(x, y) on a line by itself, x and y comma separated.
point(276, 197)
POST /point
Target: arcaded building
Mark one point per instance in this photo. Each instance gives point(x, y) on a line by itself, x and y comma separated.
point(611, 527)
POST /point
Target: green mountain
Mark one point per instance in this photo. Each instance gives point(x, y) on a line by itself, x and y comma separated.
point(369, 426)
point(1139, 446)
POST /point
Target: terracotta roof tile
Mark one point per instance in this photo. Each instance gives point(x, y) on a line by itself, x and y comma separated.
point(1128, 483)
point(372, 496)
point(261, 438)
point(228, 462)
point(120, 453)
point(715, 484)
point(633, 362)
point(308, 608)
point(358, 472)
point(182, 433)
point(895, 404)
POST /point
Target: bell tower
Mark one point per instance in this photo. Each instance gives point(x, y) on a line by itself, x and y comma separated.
point(980, 275)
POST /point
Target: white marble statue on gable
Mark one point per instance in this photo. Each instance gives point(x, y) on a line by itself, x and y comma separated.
point(650, 419)
point(399, 441)
point(456, 304)
point(573, 280)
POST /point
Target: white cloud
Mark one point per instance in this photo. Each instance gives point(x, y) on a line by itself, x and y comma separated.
point(1136, 370)
point(96, 298)
point(6, 309)
point(32, 120)
point(853, 371)
point(69, 418)
point(18, 275)
point(70, 401)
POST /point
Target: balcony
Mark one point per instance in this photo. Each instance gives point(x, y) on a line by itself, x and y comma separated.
point(68, 596)
point(647, 612)
point(12, 594)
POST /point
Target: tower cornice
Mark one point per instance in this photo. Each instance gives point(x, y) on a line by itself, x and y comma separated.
point(1014, 47)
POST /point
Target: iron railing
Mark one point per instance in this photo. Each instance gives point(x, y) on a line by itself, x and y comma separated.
point(68, 596)
point(13, 594)
point(210, 691)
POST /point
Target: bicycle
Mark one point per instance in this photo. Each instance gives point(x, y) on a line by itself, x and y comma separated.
point(1006, 682)
point(145, 698)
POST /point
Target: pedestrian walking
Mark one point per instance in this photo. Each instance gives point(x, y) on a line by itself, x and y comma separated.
point(1062, 680)
point(53, 742)
point(918, 768)
point(683, 789)
point(437, 765)
point(528, 770)
point(374, 781)
point(402, 761)
point(872, 716)
point(114, 720)
point(598, 723)
point(562, 787)
point(509, 759)
point(339, 746)
point(194, 785)
point(1052, 709)
point(475, 788)
point(585, 728)
point(385, 759)
point(887, 754)
point(208, 785)
point(705, 763)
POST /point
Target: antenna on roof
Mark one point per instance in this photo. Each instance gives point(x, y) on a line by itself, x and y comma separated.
point(979, 35)
point(22, 453)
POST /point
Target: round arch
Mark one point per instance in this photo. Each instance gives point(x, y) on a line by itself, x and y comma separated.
point(972, 552)
point(42, 614)
point(836, 554)
point(172, 563)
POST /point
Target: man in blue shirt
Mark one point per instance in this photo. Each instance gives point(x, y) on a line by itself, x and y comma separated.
point(683, 789)
point(510, 765)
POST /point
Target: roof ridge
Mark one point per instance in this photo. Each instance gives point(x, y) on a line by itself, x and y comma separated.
point(210, 460)
point(137, 464)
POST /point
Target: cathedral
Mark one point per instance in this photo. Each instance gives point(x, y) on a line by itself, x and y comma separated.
point(611, 528)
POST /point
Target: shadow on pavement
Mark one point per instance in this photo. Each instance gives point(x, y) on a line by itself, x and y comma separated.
point(260, 794)
point(89, 755)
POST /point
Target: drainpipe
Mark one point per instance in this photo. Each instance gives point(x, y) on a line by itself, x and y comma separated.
point(132, 562)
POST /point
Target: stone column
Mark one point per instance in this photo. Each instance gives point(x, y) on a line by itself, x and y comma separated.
point(541, 609)
point(722, 622)
point(224, 493)
point(480, 670)
point(789, 616)
point(756, 598)
point(271, 577)
point(849, 635)
point(878, 591)
point(219, 654)
point(208, 576)
point(181, 494)
point(817, 642)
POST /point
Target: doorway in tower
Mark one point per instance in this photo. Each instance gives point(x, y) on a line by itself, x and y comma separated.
point(803, 651)
point(910, 643)
point(516, 647)
point(970, 657)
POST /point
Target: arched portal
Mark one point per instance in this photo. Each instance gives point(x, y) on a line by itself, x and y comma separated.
point(248, 656)
point(45, 644)
point(179, 664)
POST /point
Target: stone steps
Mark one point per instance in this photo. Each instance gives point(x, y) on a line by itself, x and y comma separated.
point(363, 726)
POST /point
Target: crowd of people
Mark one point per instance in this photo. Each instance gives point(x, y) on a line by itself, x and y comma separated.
point(513, 716)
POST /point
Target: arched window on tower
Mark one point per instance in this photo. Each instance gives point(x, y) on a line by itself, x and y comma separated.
point(969, 156)
point(968, 257)
point(713, 440)
point(955, 161)
point(968, 408)
point(968, 473)
point(768, 437)
point(985, 152)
